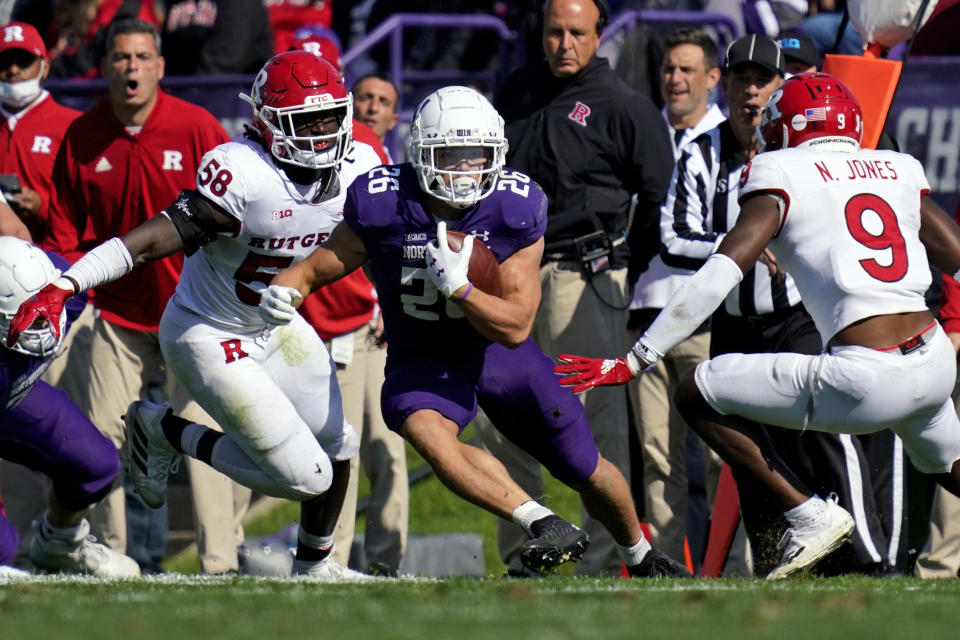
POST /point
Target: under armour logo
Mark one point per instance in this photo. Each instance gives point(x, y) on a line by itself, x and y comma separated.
point(579, 114)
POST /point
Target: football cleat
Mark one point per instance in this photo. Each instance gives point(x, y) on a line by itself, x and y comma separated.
point(151, 459)
point(656, 564)
point(326, 570)
point(807, 543)
point(80, 554)
point(554, 542)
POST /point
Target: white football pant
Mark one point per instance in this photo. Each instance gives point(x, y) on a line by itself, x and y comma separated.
point(849, 390)
point(273, 393)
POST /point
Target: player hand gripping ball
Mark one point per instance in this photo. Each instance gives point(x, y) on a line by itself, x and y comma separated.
point(277, 304)
point(46, 303)
point(587, 373)
point(445, 267)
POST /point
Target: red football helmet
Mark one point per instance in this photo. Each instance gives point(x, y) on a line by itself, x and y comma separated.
point(293, 89)
point(813, 110)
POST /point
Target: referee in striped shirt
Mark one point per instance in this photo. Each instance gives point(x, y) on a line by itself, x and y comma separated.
point(765, 313)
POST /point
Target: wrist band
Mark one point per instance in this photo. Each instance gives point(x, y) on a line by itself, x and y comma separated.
point(646, 353)
point(466, 293)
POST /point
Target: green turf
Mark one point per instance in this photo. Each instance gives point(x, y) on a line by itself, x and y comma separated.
point(556, 608)
point(465, 609)
point(433, 510)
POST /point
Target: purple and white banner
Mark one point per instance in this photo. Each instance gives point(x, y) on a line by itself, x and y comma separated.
point(925, 121)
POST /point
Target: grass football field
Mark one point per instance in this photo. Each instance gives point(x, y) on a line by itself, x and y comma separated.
point(178, 606)
point(182, 604)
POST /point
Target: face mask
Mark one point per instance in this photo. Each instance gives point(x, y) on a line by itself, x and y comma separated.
point(20, 94)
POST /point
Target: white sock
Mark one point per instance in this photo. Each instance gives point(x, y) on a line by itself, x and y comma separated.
point(528, 513)
point(633, 554)
point(323, 543)
point(805, 512)
point(190, 438)
point(73, 533)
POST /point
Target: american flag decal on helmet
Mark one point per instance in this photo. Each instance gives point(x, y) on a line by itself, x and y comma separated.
point(816, 113)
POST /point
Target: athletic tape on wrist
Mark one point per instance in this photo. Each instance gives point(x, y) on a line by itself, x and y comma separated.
point(646, 353)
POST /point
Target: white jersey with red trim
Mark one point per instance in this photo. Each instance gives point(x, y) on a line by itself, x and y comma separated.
point(849, 232)
point(279, 224)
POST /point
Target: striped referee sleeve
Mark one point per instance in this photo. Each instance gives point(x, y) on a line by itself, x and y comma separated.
point(686, 215)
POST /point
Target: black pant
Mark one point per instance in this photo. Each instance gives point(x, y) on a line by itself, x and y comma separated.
point(825, 462)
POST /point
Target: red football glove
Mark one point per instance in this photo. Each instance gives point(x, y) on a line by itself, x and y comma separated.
point(46, 303)
point(592, 372)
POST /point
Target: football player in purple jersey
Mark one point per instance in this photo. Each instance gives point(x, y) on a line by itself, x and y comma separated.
point(41, 428)
point(451, 346)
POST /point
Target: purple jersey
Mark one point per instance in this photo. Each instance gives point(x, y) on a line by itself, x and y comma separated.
point(436, 359)
point(385, 208)
point(18, 371)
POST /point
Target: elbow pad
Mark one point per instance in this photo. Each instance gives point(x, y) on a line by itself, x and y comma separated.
point(192, 215)
point(693, 303)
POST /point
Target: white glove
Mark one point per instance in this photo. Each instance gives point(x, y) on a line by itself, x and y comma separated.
point(446, 267)
point(276, 304)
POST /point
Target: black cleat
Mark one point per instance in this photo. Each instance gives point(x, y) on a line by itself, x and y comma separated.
point(555, 541)
point(658, 565)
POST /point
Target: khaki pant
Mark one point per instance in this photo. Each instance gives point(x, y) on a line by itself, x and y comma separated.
point(663, 437)
point(383, 456)
point(573, 319)
point(219, 503)
point(940, 557)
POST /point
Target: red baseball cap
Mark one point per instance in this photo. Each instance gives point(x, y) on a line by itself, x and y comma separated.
point(320, 46)
point(20, 35)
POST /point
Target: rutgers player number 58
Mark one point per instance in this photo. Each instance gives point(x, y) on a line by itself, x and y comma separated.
point(217, 178)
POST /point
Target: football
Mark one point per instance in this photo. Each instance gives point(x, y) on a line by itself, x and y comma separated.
point(484, 270)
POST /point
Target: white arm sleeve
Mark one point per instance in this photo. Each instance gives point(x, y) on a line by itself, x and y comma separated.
point(689, 306)
point(102, 264)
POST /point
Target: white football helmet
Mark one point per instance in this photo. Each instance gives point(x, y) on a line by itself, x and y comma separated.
point(24, 270)
point(457, 145)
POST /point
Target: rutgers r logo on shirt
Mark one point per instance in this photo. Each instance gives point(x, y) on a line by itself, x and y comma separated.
point(41, 144)
point(579, 114)
point(172, 160)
